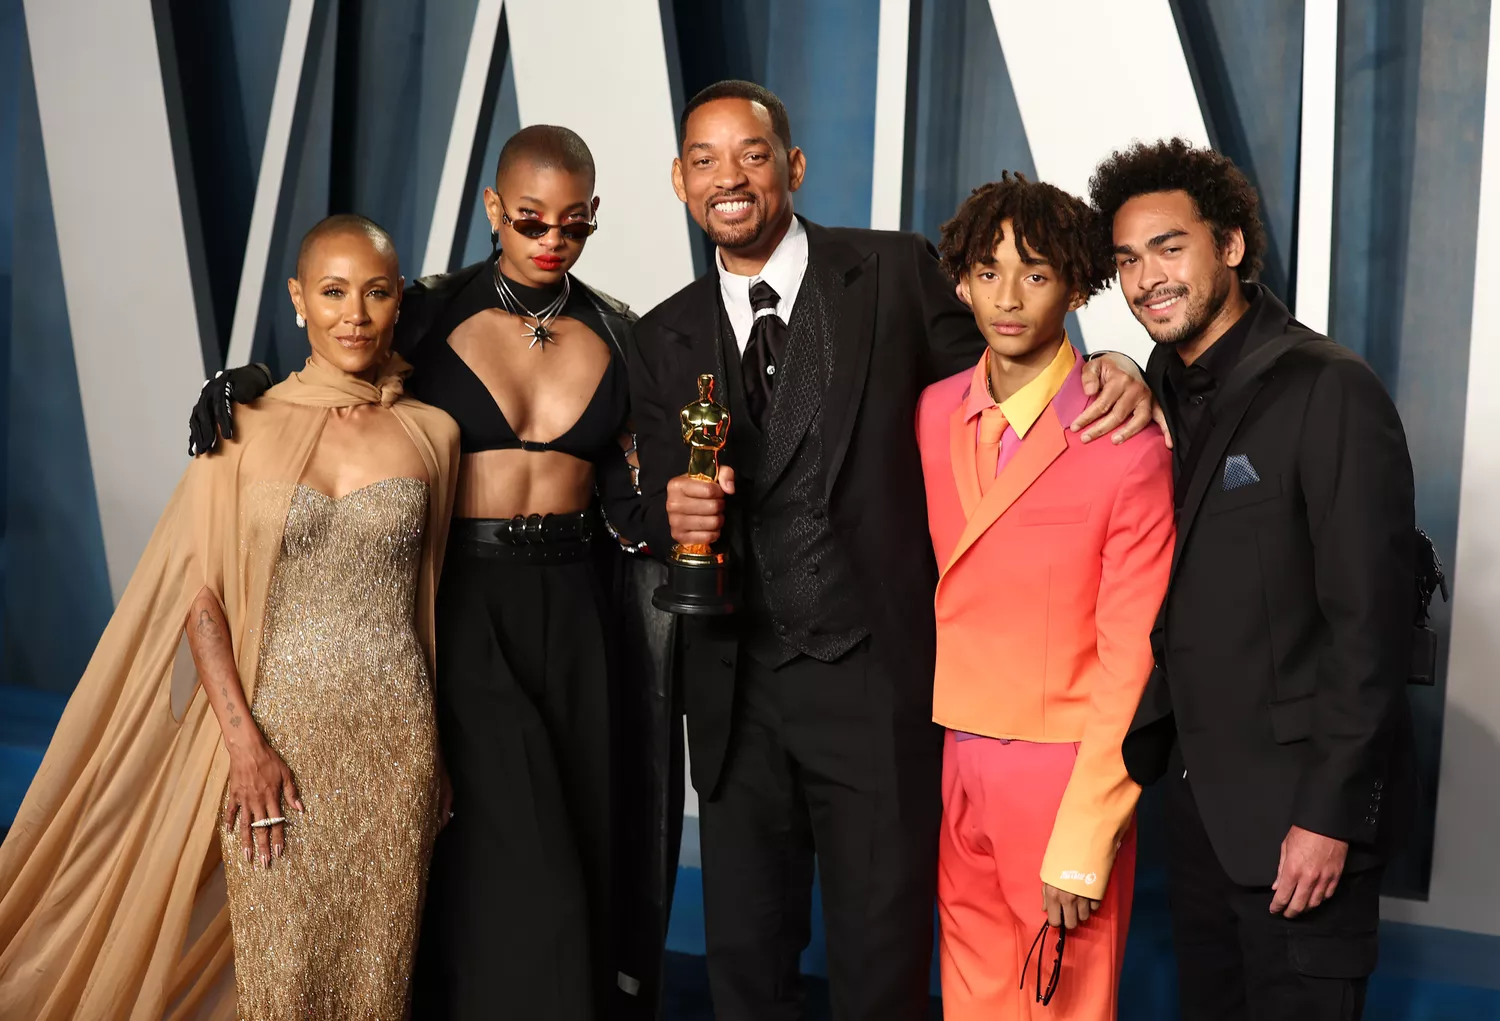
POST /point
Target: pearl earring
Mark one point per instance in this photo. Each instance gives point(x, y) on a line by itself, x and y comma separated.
point(300, 321)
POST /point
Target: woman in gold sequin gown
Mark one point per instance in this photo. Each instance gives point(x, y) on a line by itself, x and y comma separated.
point(327, 930)
point(300, 564)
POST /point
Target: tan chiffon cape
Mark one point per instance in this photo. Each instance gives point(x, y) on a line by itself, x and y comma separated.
point(115, 842)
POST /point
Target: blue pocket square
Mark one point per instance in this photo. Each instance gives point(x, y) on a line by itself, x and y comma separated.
point(1239, 472)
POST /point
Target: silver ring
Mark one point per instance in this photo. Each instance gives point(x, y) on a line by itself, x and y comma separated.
point(267, 823)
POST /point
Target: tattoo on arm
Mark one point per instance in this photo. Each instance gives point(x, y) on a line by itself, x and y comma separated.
point(207, 629)
point(234, 717)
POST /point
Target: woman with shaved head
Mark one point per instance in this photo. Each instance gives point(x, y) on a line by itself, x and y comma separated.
point(299, 568)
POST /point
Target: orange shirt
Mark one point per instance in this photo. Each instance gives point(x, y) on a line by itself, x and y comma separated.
point(1050, 584)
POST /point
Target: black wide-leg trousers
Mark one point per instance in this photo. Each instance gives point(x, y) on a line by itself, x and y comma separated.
point(517, 919)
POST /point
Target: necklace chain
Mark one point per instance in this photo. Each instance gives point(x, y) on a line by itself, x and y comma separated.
point(539, 329)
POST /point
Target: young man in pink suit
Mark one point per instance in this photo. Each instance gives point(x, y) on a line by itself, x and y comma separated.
point(1054, 557)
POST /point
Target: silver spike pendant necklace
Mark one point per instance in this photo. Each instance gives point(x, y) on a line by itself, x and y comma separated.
point(539, 330)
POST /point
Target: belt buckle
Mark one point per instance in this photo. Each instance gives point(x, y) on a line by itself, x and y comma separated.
point(516, 527)
point(533, 528)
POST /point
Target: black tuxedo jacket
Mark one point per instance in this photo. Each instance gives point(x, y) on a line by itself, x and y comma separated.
point(1283, 643)
point(900, 327)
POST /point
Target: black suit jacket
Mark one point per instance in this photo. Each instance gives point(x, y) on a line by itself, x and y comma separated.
point(901, 327)
point(1283, 643)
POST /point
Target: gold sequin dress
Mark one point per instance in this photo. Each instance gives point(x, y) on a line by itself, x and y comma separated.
point(343, 695)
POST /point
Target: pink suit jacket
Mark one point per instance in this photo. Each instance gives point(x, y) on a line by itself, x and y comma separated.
point(1049, 586)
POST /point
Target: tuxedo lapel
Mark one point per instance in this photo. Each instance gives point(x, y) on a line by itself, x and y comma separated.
point(695, 328)
point(1044, 443)
point(1207, 464)
point(797, 398)
point(852, 295)
point(1266, 345)
point(743, 449)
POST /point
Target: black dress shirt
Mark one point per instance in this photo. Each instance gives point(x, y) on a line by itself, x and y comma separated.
point(1190, 390)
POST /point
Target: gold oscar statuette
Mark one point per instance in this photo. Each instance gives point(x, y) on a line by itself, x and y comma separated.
point(697, 573)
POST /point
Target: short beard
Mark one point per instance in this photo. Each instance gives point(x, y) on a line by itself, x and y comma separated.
point(739, 235)
point(1200, 313)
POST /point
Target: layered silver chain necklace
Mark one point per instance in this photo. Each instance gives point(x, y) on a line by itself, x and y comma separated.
point(538, 329)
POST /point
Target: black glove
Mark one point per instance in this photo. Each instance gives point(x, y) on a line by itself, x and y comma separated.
point(213, 415)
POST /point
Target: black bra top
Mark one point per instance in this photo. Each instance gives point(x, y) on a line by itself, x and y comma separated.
point(444, 380)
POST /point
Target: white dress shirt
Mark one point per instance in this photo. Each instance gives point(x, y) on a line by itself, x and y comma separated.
point(783, 271)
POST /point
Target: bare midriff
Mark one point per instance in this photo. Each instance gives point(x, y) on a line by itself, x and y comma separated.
point(504, 483)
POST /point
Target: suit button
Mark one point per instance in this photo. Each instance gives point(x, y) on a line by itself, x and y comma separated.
point(812, 568)
point(767, 574)
point(1380, 785)
point(755, 520)
point(819, 513)
point(1370, 820)
point(781, 629)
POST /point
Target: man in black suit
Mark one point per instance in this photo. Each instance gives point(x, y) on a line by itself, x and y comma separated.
point(1277, 710)
point(809, 711)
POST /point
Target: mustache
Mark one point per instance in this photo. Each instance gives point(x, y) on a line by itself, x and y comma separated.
point(1161, 294)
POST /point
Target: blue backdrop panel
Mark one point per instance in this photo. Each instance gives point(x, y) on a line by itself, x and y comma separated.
point(57, 592)
point(1411, 107)
point(12, 51)
point(1247, 64)
point(504, 120)
point(278, 340)
point(225, 57)
point(965, 125)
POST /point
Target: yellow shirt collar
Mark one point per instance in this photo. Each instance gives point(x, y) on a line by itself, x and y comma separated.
point(1022, 408)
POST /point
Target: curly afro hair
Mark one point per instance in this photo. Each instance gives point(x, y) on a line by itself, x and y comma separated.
point(1057, 226)
point(1220, 190)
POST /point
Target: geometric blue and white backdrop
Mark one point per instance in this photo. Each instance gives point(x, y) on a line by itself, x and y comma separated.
point(159, 159)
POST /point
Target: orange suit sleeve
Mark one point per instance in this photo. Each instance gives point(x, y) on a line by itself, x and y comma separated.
point(1100, 797)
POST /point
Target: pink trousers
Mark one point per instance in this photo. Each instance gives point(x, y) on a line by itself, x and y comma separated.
point(999, 803)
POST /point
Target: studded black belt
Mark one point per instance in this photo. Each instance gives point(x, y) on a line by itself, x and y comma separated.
point(528, 529)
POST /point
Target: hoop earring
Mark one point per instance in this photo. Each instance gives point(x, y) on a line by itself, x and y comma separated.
point(300, 321)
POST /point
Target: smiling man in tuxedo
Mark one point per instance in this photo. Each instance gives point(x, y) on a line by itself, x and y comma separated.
point(809, 711)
